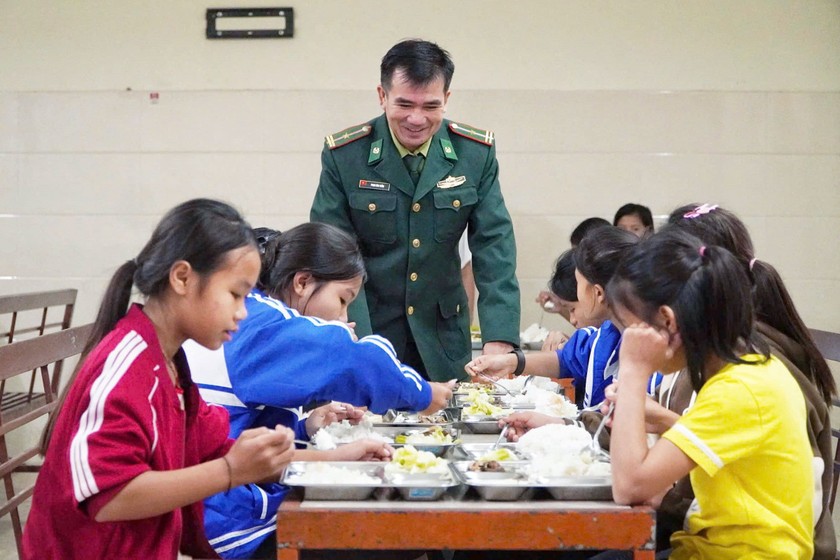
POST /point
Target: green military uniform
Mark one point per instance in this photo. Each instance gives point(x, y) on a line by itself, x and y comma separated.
point(409, 238)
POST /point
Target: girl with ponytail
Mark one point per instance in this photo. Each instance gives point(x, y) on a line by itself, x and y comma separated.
point(133, 449)
point(687, 305)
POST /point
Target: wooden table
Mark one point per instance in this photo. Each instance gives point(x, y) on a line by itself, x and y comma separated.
point(529, 525)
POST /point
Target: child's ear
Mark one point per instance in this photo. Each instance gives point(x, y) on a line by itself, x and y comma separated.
point(300, 281)
point(668, 319)
point(180, 277)
point(600, 295)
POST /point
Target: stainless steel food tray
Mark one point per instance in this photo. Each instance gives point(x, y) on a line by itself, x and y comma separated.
point(400, 419)
point(510, 485)
point(328, 490)
point(472, 451)
point(413, 487)
point(423, 486)
point(438, 449)
point(464, 387)
point(460, 399)
point(597, 488)
point(480, 424)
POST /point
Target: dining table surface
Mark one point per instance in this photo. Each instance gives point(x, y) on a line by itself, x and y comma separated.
point(465, 523)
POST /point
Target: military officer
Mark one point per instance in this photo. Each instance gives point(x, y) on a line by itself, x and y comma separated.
point(408, 183)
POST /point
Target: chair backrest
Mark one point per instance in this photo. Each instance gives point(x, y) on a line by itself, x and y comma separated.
point(46, 355)
point(36, 313)
point(27, 315)
point(828, 343)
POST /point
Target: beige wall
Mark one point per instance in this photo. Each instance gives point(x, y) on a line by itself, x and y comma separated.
point(594, 104)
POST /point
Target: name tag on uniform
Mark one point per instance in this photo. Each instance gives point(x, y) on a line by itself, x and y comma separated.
point(451, 181)
point(374, 185)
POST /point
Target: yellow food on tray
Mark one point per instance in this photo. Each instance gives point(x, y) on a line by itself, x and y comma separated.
point(409, 460)
point(436, 435)
point(480, 404)
point(498, 454)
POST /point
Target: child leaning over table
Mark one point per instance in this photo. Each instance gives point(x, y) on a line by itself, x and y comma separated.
point(687, 305)
point(294, 348)
point(590, 357)
point(133, 448)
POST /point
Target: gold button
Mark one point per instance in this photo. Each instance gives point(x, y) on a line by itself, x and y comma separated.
point(410, 310)
point(415, 243)
point(416, 207)
point(456, 203)
point(413, 277)
point(372, 207)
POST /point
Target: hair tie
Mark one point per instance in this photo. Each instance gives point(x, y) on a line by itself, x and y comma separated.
point(700, 210)
point(264, 240)
point(752, 263)
point(702, 251)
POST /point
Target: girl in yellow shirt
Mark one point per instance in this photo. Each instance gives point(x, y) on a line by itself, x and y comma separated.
point(744, 442)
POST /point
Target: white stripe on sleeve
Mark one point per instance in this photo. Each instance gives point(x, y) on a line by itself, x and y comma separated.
point(118, 362)
point(700, 444)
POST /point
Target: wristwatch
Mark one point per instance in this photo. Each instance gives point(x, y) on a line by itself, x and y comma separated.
point(520, 360)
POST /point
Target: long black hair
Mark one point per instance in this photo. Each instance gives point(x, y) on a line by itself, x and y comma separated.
point(325, 251)
point(563, 283)
point(200, 232)
point(772, 302)
point(705, 286)
point(600, 251)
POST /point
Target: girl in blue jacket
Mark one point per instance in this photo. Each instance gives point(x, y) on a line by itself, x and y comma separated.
point(294, 349)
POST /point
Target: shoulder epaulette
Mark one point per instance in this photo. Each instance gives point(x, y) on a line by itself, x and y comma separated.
point(485, 137)
point(347, 135)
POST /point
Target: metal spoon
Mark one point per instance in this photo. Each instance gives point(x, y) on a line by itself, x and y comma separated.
point(525, 385)
point(493, 381)
point(501, 437)
point(593, 450)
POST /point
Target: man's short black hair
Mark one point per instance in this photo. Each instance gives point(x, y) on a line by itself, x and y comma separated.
point(421, 62)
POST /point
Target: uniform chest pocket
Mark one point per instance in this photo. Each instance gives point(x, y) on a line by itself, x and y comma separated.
point(452, 210)
point(374, 216)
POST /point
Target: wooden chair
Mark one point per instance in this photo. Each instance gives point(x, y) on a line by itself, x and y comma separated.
point(828, 344)
point(29, 315)
point(45, 355)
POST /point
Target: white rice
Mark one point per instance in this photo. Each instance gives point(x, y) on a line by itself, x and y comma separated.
point(337, 433)
point(324, 473)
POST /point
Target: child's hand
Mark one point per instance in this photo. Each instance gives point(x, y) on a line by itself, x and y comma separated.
point(644, 350)
point(329, 413)
point(548, 301)
point(521, 422)
point(494, 366)
point(610, 397)
point(260, 454)
point(657, 417)
point(352, 326)
point(554, 341)
point(441, 395)
point(363, 450)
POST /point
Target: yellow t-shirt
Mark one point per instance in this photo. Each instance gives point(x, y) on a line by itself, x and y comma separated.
point(754, 481)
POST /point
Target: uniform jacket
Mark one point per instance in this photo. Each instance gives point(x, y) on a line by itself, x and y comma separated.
point(676, 502)
point(409, 238)
point(123, 417)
